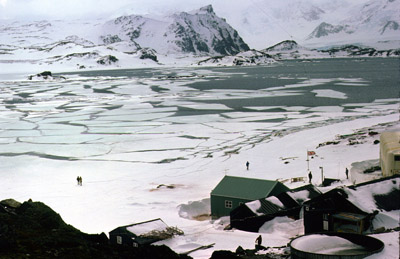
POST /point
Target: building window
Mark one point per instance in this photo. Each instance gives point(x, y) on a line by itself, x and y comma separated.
point(119, 240)
point(325, 222)
point(228, 204)
point(396, 158)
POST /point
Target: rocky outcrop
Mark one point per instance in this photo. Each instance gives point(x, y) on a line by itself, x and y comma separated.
point(284, 46)
point(33, 230)
point(45, 75)
point(325, 29)
point(148, 53)
point(246, 58)
point(107, 60)
point(356, 51)
point(110, 39)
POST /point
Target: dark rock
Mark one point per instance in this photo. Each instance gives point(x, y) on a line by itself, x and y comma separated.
point(147, 53)
point(110, 39)
point(35, 229)
point(45, 75)
point(224, 255)
point(107, 60)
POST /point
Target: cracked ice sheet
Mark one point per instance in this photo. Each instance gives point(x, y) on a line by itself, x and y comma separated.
point(18, 125)
point(136, 117)
point(336, 109)
point(243, 94)
point(329, 93)
point(156, 156)
point(61, 139)
point(211, 106)
point(155, 142)
point(306, 83)
point(62, 150)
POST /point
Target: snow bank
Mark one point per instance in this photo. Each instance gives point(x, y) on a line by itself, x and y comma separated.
point(283, 226)
point(195, 209)
point(363, 196)
point(357, 169)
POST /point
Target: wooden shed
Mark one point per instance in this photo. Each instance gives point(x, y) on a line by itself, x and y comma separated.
point(390, 153)
point(331, 211)
point(252, 215)
point(138, 234)
point(233, 191)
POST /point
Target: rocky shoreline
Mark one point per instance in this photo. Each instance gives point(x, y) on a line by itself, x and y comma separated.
point(33, 230)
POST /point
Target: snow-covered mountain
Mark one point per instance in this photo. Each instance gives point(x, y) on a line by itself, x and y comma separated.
point(317, 23)
point(369, 23)
point(197, 32)
point(121, 41)
point(337, 28)
point(290, 49)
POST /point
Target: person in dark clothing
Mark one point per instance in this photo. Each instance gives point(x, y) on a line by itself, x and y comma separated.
point(309, 176)
point(347, 173)
point(79, 180)
point(247, 165)
point(258, 242)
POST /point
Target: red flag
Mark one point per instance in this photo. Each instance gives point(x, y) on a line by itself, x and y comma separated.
point(310, 153)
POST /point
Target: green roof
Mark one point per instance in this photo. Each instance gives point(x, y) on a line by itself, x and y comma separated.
point(246, 188)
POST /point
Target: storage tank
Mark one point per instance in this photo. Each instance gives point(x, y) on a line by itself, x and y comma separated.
point(334, 245)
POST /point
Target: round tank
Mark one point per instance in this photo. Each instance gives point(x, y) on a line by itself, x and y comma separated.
point(334, 246)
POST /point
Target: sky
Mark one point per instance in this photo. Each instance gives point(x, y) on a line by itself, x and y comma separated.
point(50, 9)
point(61, 9)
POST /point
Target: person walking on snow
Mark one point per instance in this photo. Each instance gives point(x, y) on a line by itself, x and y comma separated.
point(79, 179)
point(247, 165)
point(347, 173)
point(309, 176)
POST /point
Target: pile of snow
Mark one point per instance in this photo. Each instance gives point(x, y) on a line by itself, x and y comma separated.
point(195, 209)
point(300, 196)
point(283, 226)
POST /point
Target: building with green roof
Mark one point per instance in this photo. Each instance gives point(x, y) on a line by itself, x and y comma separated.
point(232, 191)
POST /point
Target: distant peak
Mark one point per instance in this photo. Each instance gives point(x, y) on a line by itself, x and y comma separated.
point(207, 9)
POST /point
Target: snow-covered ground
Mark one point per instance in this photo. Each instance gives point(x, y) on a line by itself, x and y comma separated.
point(140, 160)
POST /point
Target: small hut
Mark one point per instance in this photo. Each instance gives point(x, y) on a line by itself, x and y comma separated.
point(233, 191)
point(143, 233)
